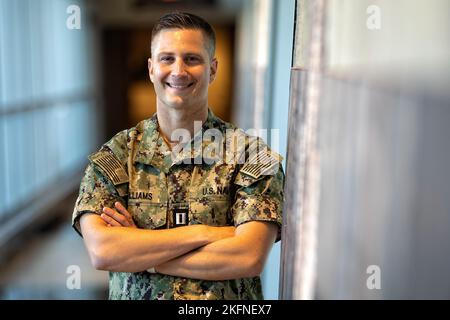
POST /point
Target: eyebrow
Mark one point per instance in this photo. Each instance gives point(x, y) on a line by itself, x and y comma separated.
point(171, 53)
point(164, 53)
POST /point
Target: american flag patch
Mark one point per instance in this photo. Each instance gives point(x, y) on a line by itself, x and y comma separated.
point(110, 166)
point(262, 163)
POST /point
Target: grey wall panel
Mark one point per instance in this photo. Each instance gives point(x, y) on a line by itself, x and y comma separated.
point(431, 243)
point(384, 192)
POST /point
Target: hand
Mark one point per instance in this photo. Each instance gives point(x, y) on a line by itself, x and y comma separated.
point(119, 218)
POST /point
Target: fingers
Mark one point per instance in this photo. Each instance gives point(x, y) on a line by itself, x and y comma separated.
point(122, 210)
point(121, 217)
point(110, 221)
point(114, 218)
point(125, 212)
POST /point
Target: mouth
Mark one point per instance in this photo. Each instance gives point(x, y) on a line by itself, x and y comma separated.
point(179, 86)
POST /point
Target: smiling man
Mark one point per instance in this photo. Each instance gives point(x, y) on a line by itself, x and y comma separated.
point(174, 218)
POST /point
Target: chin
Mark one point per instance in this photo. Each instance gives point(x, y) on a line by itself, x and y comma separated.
point(177, 105)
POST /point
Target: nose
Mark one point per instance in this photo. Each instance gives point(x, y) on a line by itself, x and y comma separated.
point(179, 68)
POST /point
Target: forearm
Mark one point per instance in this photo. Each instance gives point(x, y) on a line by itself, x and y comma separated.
point(241, 256)
point(133, 250)
point(221, 260)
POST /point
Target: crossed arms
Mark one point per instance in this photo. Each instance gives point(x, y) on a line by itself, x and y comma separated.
point(196, 251)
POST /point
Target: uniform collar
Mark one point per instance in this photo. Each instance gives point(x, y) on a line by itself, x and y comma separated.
point(153, 150)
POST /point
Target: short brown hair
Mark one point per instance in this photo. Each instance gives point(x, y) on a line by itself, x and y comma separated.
point(183, 20)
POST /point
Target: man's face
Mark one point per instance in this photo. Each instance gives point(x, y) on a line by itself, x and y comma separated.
point(181, 68)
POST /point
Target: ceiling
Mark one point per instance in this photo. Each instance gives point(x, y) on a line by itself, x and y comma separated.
point(143, 13)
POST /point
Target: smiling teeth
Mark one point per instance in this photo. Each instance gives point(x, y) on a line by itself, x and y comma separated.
point(177, 86)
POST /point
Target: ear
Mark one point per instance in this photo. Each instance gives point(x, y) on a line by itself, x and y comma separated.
point(213, 70)
point(150, 69)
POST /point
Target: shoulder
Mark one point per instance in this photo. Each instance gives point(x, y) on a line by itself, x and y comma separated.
point(215, 123)
point(119, 145)
point(248, 149)
point(256, 159)
point(112, 157)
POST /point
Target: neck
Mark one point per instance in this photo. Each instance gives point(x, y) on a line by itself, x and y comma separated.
point(170, 119)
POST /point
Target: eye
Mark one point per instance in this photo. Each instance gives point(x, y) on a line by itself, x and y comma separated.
point(193, 59)
point(166, 59)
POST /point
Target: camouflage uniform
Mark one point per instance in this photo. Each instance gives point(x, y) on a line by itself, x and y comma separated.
point(154, 187)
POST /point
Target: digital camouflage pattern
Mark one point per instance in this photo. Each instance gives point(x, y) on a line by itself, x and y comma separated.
point(211, 189)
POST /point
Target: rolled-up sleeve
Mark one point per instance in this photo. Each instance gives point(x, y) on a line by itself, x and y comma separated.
point(260, 200)
point(96, 192)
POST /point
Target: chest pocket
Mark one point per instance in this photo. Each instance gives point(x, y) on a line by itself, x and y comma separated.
point(210, 195)
point(212, 211)
point(146, 214)
point(145, 201)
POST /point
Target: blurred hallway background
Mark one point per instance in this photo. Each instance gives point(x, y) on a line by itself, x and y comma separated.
point(358, 91)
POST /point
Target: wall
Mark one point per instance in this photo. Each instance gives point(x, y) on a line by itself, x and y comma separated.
point(382, 151)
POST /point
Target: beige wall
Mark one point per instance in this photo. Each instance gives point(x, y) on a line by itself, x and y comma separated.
point(220, 94)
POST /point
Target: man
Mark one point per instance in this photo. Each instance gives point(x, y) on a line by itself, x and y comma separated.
point(175, 219)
